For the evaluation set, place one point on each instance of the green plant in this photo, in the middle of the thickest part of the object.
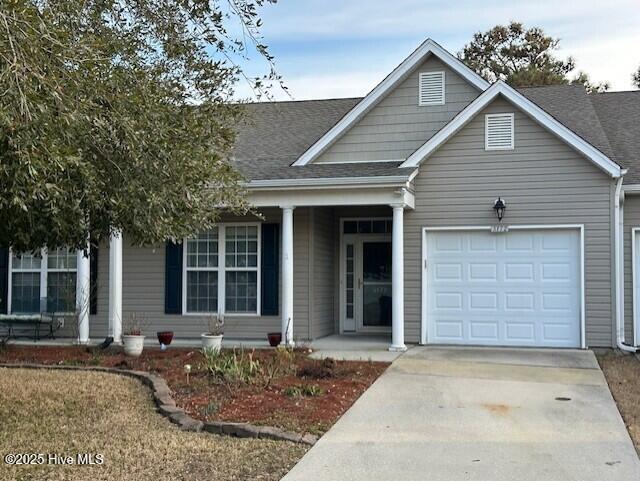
(237, 366)
(281, 364)
(306, 390)
(210, 408)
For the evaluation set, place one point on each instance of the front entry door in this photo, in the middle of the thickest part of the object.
(366, 284)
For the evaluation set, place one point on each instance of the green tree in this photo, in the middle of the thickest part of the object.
(636, 78)
(117, 115)
(521, 57)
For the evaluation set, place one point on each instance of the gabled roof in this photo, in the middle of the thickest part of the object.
(274, 134)
(429, 47)
(538, 114)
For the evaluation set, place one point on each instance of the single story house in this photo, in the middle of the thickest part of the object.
(438, 209)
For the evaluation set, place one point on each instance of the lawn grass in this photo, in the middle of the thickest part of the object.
(623, 376)
(45, 411)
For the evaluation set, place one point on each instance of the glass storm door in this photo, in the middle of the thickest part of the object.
(376, 284)
(366, 284)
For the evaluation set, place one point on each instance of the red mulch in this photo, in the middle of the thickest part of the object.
(209, 401)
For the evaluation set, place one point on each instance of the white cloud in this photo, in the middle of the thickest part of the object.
(353, 44)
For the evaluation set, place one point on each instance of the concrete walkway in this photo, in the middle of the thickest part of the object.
(479, 414)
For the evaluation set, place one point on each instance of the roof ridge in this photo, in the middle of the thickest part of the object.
(272, 102)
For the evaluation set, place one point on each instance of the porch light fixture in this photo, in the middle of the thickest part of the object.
(499, 206)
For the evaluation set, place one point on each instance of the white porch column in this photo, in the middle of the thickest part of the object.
(115, 286)
(397, 280)
(83, 294)
(287, 275)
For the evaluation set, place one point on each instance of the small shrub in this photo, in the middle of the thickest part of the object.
(303, 390)
(210, 408)
(326, 368)
(237, 366)
(72, 362)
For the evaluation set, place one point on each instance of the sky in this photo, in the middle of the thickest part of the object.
(343, 48)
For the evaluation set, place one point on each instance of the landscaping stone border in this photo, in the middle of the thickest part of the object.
(167, 407)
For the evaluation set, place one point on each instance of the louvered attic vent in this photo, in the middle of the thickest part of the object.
(498, 132)
(431, 88)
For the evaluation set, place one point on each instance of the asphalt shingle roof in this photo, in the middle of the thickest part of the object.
(275, 134)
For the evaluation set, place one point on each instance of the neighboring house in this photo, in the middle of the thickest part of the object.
(378, 217)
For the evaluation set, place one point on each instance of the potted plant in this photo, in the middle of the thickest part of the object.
(212, 339)
(132, 337)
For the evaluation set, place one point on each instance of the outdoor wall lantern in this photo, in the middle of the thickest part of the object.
(499, 206)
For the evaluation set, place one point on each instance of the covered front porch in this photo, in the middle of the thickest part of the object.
(349, 245)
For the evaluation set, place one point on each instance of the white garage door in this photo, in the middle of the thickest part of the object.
(518, 288)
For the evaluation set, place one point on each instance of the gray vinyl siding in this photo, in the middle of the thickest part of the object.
(631, 221)
(543, 182)
(324, 263)
(143, 290)
(397, 125)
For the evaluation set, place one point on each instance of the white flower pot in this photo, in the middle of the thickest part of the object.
(211, 342)
(133, 344)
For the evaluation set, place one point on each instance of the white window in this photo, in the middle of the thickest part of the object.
(61, 280)
(431, 88)
(43, 282)
(499, 133)
(222, 271)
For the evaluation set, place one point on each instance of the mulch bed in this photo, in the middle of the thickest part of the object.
(623, 376)
(337, 387)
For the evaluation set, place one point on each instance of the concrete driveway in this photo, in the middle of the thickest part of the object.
(479, 414)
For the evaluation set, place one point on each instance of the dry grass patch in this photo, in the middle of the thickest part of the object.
(623, 376)
(65, 412)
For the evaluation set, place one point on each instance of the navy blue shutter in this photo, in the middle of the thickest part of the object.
(4, 279)
(93, 279)
(173, 278)
(270, 269)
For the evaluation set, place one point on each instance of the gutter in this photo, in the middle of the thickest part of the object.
(619, 268)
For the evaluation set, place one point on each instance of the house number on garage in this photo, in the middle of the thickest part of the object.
(499, 229)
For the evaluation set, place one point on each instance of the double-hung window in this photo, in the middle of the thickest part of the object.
(49, 276)
(61, 280)
(202, 272)
(26, 276)
(222, 270)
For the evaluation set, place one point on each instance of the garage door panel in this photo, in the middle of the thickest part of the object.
(525, 290)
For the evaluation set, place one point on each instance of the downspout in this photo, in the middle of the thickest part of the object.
(619, 286)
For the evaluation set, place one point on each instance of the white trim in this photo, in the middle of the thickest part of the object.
(424, 337)
(329, 182)
(221, 269)
(391, 81)
(635, 272)
(487, 117)
(43, 270)
(431, 73)
(524, 104)
(328, 196)
(356, 238)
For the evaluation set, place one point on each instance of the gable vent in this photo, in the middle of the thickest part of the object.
(498, 132)
(431, 88)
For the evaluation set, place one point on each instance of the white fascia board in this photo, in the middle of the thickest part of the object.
(317, 197)
(390, 81)
(330, 182)
(524, 104)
